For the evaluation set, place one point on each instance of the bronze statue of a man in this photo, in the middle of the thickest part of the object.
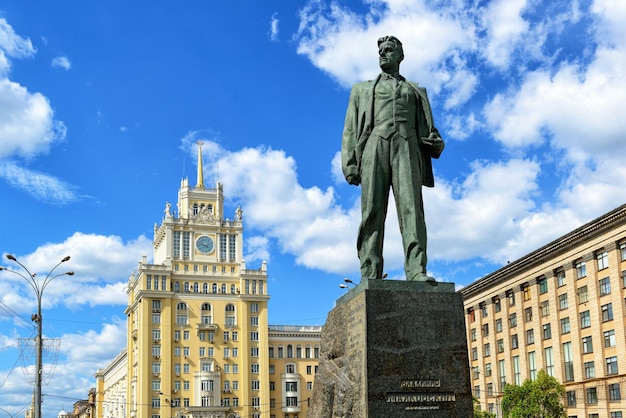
(389, 139)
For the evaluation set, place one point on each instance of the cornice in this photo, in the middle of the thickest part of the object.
(588, 231)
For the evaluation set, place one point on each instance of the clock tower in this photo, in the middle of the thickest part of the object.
(197, 316)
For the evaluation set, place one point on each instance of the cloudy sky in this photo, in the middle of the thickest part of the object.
(101, 104)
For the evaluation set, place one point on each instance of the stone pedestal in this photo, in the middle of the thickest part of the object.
(394, 349)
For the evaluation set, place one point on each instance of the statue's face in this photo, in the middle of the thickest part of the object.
(388, 56)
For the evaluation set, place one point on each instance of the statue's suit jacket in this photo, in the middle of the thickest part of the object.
(358, 127)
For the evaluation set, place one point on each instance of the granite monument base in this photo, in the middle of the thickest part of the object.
(394, 349)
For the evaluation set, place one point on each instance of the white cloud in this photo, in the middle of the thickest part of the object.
(101, 266)
(27, 124)
(274, 27)
(257, 248)
(12, 45)
(337, 40)
(61, 62)
(39, 185)
(505, 27)
(79, 356)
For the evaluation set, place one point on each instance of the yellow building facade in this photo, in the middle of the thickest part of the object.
(560, 308)
(199, 342)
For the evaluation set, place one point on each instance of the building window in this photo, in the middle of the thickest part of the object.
(483, 310)
(514, 342)
(512, 320)
(560, 278)
(581, 269)
(614, 392)
(587, 345)
(607, 312)
(563, 301)
(603, 260)
(526, 291)
(530, 336)
(590, 370)
(488, 369)
(582, 294)
(585, 319)
(517, 373)
(532, 366)
(549, 360)
(502, 372)
(487, 350)
(475, 372)
(592, 396)
(571, 398)
(616, 414)
(545, 308)
(611, 365)
(543, 286)
(568, 362)
(565, 329)
(605, 286)
(609, 338)
(485, 330)
(472, 315)
(500, 345)
(473, 334)
(547, 331)
(499, 325)
(528, 314)
(496, 304)
(511, 297)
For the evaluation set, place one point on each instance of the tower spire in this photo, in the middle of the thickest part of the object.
(200, 181)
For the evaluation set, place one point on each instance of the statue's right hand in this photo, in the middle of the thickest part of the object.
(354, 179)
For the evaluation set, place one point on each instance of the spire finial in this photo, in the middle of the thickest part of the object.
(200, 181)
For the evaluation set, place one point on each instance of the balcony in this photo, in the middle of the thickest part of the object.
(206, 327)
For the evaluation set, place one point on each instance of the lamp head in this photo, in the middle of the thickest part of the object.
(11, 257)
(66, 258)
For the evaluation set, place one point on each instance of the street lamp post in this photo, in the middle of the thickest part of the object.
(38, 287)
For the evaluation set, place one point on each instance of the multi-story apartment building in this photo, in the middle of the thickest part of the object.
(293, 353)
(560, 308)
(199, 342)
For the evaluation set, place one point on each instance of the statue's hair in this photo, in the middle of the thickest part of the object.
(394, 40)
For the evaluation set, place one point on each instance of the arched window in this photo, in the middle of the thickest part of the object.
(205, 316)
(182, 306)
(223, 288)
(205, 288)
(176, 286)
(196, 287)
(289, 351)
(186, 287)
(231, 319)
(298, 351)
(232, 289)
(214, 288)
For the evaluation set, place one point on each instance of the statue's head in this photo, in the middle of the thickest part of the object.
(390, 52)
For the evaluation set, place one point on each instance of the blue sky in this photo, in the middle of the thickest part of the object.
(101, 104)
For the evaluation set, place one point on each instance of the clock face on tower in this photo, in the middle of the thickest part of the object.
(204, 244)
